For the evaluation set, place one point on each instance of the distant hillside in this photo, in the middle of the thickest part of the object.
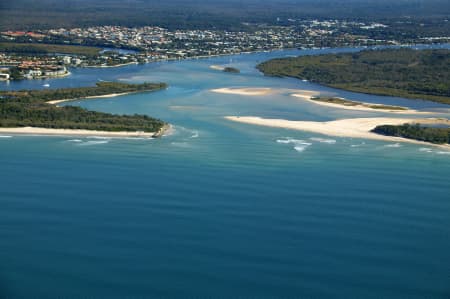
(401, 72)
(31, 14)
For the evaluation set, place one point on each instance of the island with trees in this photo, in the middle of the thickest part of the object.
(415, 74)
(31, 108)
(230, 69)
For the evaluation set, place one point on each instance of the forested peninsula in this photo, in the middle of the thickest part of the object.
(415, 74)
(30, 108)
(437, 135)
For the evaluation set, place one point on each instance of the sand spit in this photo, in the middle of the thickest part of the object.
(306, 95)
(354, 128)
(250, 91)
(111, 95)
(217, 67)
(362, 106)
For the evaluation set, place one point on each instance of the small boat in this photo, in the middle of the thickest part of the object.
(46, 85)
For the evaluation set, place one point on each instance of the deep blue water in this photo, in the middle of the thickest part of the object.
(219, 209)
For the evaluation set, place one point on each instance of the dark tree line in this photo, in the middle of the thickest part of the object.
(29, 108)
(193, 14)
(35, 48)
(403, 72)
(417, 132)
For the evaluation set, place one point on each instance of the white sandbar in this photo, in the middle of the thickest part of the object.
(354, 128)
(244, 91)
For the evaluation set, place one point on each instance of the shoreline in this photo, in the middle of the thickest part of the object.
(217, 67)
(288, 49)
(361, 106)
(82, 132)
(306, 96)
(245, 91)
(86, 132)
(110, 66)
(352, 128)
(111, 95)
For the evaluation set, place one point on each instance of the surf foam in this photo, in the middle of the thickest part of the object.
(299, 145)
(323, 140)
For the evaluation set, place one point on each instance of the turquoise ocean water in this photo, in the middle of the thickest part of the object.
(218, 209)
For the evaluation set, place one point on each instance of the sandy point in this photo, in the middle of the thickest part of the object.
(217, 67)
(249, 91)
(359, 106)
(354, 127)
(112, 95)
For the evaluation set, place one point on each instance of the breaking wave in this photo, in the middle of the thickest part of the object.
(358, 145)
(181, 144)
(430, 150)
(393, 145)
(299, 145)
(323, 140)
(99, 137)
(195, 134)
(92, 142)
(443, 153)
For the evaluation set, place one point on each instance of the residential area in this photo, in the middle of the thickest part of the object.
(117, 45)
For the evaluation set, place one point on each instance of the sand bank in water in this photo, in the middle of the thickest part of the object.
(307, 94)
(217, 67)
(354, 128)
(244, 91)
(362, 106)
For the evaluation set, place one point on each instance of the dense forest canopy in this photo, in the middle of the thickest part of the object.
(423, 74)
(48, 49)
(417, 132)
(29, 108)
(186, 14)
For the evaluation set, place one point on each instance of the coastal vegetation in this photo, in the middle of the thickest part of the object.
(101, 89)
(345, 102)
(36, 48)
(230, 69)
(436, 135)
(402, 72)
(30, 108)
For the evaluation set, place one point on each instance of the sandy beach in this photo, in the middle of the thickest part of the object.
(217, 67)
(306, 96)
(361, 107)
(256, 91)
(76, 132)
(91, 97)
(354, 127)
(73, 132)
